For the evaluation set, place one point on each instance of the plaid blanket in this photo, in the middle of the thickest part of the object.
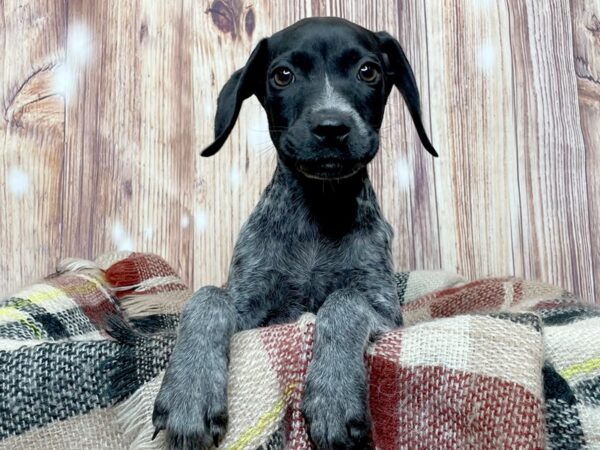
(494, 363)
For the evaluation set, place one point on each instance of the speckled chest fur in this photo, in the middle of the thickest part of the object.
(306, 239)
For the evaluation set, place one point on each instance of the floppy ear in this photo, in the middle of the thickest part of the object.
(401, 73)
(243, 83)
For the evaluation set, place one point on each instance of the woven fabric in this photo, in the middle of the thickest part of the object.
(57, 357)
(494, 363)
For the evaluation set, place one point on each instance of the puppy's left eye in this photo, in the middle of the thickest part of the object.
(369, 73)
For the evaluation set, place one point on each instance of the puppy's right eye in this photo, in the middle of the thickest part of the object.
(282, 76)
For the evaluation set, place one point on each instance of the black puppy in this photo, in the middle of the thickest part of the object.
(315, 242)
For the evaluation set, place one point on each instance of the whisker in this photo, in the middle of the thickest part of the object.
(270, 130)
(265, 148)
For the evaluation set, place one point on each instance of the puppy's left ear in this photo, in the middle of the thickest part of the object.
(399, 70)
(245, 82)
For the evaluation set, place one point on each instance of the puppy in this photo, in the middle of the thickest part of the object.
(316, 241)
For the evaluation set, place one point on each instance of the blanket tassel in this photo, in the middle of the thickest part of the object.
(133, 415)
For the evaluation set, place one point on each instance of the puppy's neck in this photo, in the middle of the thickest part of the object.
(335, 206)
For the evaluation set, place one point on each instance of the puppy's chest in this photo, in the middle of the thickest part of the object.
(309, 271)
(312, 261)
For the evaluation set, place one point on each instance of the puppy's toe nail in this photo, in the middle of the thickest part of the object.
(355, 433)
(357, 429)
(156, 431)
(358, 432)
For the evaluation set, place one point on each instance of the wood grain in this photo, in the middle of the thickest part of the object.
(129, 171)
(31, 139)
(551, 154)
(586, 54)
(403, 172)
(107, 105)
(471, 116)
(229, 183)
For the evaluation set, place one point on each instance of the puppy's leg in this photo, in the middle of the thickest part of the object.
(192, 402)
(335, 398)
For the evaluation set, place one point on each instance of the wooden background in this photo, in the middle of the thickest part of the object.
(106, 105)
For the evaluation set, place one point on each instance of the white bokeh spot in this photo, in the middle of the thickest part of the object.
(17, 181)
(121, 238)
(185, 221)
(79, 52)
(148, 232)
(484, 4)
(235, 177)
(403, 173)
(79, 44)
(63, 80)
(486, 57)
(200, 221)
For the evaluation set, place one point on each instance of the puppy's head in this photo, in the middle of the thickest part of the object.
(324, 83)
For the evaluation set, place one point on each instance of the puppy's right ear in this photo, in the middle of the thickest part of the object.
(247, 81)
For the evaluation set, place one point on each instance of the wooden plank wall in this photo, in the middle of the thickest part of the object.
(106, 105)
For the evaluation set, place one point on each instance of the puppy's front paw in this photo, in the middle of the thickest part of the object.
(336, 410)
(193, 414)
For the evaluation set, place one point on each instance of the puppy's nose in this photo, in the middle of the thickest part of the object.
(329, 126)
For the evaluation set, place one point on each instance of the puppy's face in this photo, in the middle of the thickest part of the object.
(325, 92)
(324, 83)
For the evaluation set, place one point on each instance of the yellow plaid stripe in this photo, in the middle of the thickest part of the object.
(584, 367)
(43, 294)
(14, 315)
(266, 419)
